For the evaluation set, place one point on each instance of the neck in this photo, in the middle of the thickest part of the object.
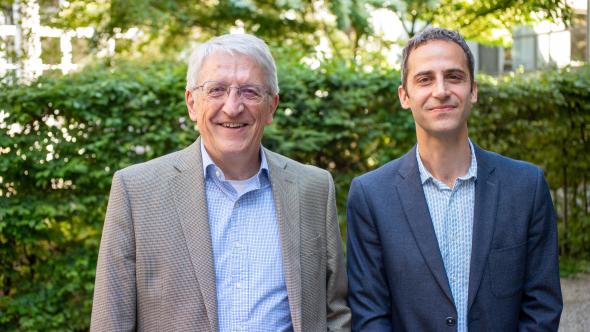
(445, 158)
(238, 167)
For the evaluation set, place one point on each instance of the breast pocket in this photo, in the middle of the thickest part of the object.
(312, 246)
(507, 268)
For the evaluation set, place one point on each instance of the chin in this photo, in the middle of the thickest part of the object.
(238, 148)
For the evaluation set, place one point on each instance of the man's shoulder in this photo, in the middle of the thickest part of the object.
(302, 170)
(507, 165)
(388, 170)
(157, 168)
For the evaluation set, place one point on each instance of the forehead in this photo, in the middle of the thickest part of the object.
(224, 65)
(437, 55)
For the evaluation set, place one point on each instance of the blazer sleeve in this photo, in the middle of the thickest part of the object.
(541, 302)
(338, 312)
(114, 305)
(368, 295)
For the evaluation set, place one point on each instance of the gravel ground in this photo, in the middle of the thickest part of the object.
(576, 304)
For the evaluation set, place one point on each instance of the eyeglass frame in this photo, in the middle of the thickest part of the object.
(238, 88)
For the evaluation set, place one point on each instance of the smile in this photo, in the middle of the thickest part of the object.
(232, 125)
(442, 108)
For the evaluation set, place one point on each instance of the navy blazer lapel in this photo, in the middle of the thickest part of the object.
(188, 188)
(409, 189)
(484, 216)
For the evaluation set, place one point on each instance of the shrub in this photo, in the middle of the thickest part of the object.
(63, 138)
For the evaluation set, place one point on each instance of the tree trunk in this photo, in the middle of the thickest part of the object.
(585, 192)
(564, 244)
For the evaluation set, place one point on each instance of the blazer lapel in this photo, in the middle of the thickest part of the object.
(188, 188)
(285, 193)
(409, 189)
(484, 216)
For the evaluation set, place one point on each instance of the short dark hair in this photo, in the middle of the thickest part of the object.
(430, 34)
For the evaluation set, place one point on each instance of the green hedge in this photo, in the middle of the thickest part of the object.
(544, 118)
(74, 132)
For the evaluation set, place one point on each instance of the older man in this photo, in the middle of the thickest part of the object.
(223, 235)
(450, 237)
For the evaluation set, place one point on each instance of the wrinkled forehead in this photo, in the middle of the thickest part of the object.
(227, 61)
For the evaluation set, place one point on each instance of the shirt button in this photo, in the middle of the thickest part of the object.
(218, 174)
(451, 321)
(239, 285)
(237, 205)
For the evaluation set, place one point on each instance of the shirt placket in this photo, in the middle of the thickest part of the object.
(446, 231)
(239, 268)
(460, 251)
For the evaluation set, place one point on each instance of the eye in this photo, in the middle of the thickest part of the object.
(422, 80)
(250, 92)
(456, 77)
(216, 90)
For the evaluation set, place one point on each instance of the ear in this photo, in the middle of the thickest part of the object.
(272, 109)
(190, 105)
(404, 99)
(474, 92)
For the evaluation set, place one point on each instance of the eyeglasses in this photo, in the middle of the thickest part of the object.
(248, 93)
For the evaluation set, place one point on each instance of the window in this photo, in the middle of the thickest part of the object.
(579, 37)
(51, 50)
(524, 48)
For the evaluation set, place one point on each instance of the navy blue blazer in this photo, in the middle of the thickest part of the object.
(397, 280)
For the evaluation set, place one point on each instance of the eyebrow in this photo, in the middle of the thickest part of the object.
(446, 72)
(455, 71)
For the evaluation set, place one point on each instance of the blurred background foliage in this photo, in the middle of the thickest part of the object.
(169, 25)
(63, 137)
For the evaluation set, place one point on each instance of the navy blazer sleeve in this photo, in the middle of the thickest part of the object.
(368, 293)
(541, 301)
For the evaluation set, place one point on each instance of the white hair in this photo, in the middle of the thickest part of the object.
(244, 44)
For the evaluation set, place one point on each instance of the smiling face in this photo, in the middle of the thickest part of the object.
(231, 129)
(438, 90)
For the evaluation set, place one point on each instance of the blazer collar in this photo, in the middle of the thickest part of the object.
(188, 189)
(417, 214)
(411, 194)
(484, 217)
(286, 196)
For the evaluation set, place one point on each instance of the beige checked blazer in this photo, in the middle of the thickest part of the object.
(155, 265)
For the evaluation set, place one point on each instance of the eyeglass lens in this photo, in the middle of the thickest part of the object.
(220, 91)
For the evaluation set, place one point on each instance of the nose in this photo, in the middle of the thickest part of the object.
(232, 105)
(440, 89)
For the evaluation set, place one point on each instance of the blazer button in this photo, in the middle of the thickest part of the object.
(451, 321)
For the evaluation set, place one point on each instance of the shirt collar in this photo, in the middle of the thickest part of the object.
(471, 172)
(208, 163)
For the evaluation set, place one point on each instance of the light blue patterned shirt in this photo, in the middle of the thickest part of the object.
(451, 210)
(249, 278)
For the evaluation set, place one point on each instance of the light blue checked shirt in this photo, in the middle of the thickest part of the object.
(251, 289)
(451, 210)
